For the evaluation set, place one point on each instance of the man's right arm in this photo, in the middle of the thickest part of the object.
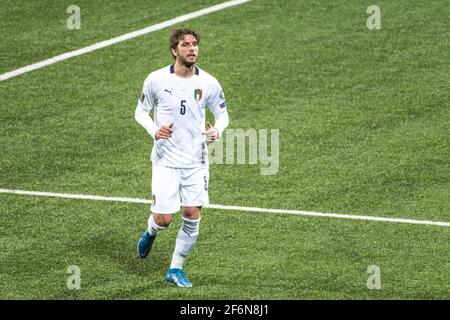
(144, 106)
(142, 114)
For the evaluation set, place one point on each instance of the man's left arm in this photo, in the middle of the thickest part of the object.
(218, 106)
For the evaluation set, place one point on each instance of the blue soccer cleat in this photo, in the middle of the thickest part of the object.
(178, 277)
(145, 244)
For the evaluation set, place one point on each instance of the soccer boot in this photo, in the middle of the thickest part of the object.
(145, 244)
(178, 277)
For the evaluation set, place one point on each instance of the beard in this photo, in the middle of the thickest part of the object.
(187, 63)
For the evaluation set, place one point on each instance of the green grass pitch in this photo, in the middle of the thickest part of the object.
(364, 120)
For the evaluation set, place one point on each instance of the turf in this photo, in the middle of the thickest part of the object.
(38, 30)
(363, 119)
(284, 258)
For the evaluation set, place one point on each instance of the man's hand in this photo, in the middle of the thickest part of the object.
(211, 133)
(164, 132)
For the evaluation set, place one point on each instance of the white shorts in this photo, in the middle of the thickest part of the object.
(168, 184)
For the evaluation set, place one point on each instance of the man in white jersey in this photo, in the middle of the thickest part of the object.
(179, 95)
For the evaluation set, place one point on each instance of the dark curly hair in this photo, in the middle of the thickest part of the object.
(178, 34)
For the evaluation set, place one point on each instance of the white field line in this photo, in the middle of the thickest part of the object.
(121, 38)
(235, 208)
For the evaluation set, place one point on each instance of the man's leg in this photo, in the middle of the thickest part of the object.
(186, 239)
(187, 236)
(194, 194)
(165, 194)
(156, 223)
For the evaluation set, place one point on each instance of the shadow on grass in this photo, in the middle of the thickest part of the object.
(113, 249)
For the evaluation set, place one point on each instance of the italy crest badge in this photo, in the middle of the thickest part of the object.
(198, 94)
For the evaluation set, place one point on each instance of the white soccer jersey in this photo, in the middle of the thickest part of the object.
(181, 101)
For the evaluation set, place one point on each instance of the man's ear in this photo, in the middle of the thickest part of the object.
(174, 52)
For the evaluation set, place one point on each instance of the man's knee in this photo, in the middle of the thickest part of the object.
(192, 212)
(163, 220)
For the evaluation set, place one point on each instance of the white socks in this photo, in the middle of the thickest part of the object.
(186, 238)
(153, 228)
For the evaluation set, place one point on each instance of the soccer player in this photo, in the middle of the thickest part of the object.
(179, 95)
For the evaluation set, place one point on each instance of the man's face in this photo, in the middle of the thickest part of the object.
(187, 50)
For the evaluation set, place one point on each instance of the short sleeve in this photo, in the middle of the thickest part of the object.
(216, 101)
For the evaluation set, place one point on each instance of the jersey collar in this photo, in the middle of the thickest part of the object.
(172, 69)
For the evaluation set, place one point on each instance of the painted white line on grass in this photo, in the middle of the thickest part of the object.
(235, 208)
(121, 38)
(75, 196)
